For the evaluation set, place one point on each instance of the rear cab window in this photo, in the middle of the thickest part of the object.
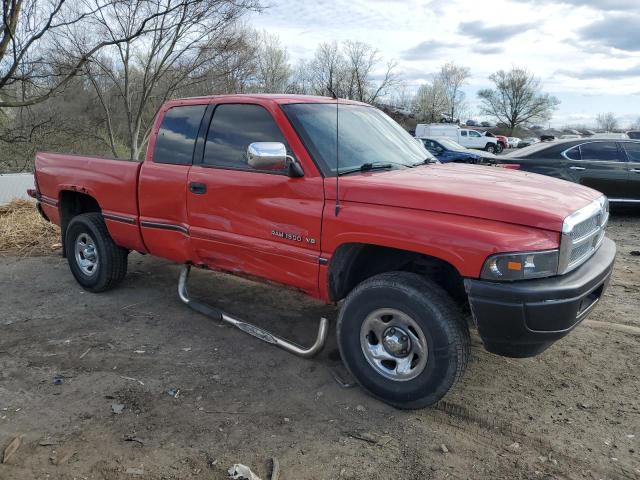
(177, 135)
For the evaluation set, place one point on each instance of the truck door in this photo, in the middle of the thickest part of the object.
(632, 150)
(476, 140)
(262, 223)
(162, 197)
(464, 139)
(600, 165)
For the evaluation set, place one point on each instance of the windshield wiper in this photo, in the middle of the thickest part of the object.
(367, 167)
(426, 161)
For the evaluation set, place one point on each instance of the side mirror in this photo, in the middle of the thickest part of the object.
(272, 156)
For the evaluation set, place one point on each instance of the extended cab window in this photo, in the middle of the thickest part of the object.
(177, 135)
(600, 151)
(233, 128)
(463, 133)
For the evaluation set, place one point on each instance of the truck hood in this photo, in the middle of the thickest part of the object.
(491, 193)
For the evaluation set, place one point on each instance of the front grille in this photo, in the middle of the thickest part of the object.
(586, 227)
(579, 252)
(583, 232)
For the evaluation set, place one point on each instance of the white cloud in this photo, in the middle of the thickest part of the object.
(572, 45)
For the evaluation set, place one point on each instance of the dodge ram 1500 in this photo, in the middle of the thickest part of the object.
(353, 212)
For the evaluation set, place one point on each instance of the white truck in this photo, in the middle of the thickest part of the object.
(464, 136)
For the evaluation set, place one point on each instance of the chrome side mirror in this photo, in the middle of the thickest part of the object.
(272, 156)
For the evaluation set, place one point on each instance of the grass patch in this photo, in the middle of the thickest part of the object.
(23, 232)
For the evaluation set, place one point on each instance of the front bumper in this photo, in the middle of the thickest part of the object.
(522, 319)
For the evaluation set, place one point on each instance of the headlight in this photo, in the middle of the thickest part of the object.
(521, 266)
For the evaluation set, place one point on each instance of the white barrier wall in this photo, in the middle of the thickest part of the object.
(14, 185)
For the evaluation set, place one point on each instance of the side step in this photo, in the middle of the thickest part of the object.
(249, 328)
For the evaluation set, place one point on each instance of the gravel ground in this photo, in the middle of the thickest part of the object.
(68, 359)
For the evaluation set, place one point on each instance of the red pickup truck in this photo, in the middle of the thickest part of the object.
(413, 250)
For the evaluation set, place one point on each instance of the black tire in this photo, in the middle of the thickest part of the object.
(490, 147)
(441, 322)
(499, 148)
(110, 259)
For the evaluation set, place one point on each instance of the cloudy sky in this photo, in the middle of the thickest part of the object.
(587, 52)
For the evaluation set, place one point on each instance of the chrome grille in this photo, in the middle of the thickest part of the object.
(586, 227)
(579, 251)
(582, 234)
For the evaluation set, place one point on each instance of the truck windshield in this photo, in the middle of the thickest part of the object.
(366, 136)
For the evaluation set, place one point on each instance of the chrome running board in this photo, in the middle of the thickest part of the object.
(249, 328)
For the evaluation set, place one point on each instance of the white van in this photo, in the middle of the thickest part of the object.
(464, 136)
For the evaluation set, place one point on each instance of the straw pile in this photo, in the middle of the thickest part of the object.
(24, 232)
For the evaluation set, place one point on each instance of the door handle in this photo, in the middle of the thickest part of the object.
(577, 168)
(197, 188)
(635, 170)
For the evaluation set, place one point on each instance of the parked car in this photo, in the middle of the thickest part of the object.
(471, 123)
(610, 166)
(513, 142)
(547, 138)
(634, 134)
(253, 185)
(503, 142)
(611, 135)
(446, 150)
(569, 136)
(527, 142)
(464, 136)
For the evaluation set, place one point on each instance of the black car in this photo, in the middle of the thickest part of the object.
(610, 166)
(446, 150)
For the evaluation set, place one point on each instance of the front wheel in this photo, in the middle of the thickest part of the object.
(490, 147)
(96, 262)
(403, 339)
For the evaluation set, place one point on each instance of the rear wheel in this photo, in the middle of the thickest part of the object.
(403, 339)
(490, 147)
(96, 262)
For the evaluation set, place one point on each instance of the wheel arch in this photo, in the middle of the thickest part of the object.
(71, 204)
(352, 263)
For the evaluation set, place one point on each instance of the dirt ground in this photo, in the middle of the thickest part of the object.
(67, 356)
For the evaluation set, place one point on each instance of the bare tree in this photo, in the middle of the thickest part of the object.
(273, 71)
(182, 47)
(453, 77)
(347, 71)
(430, 101)
(607, 121)
(327, 69)
(34, 31)
(517, 99)
(361, 59)
(402, 97)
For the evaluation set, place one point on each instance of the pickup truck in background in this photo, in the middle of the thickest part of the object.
(409, 248)
(466, 137)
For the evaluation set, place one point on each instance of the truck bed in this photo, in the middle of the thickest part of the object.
(113, 183)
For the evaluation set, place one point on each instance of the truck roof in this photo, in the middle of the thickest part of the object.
(271, 97)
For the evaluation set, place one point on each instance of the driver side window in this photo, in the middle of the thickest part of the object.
(235, 126)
